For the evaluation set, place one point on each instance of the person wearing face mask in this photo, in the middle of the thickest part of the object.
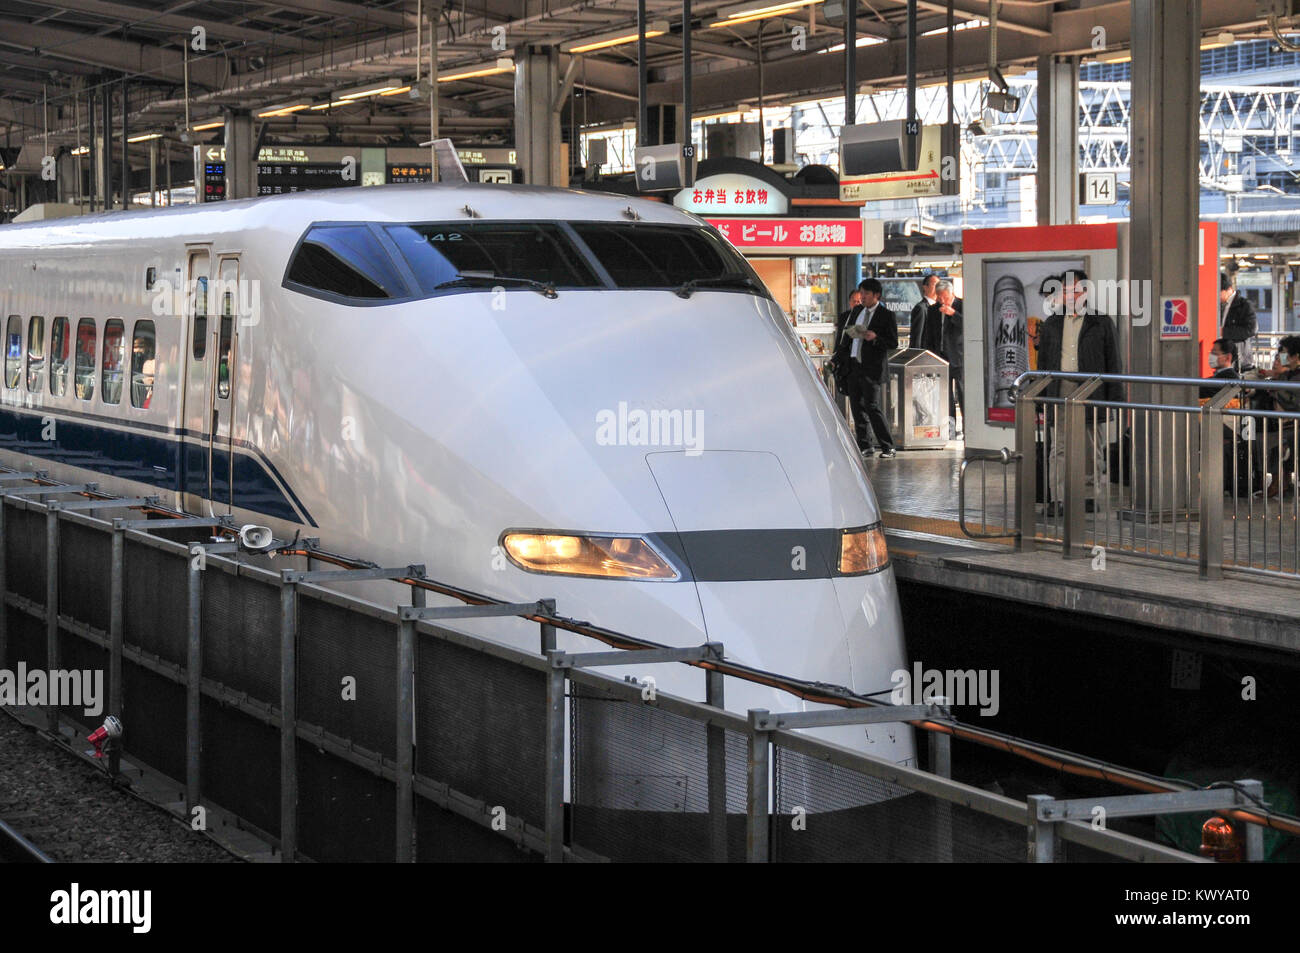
(1223, 365)
(1286, 367)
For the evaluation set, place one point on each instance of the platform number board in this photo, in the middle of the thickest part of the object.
(1097, 188)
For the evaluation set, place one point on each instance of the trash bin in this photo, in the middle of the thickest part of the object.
(917, 399)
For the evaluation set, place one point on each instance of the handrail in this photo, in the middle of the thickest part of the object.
(816, 692)
(1004, 457)
(1149, 379)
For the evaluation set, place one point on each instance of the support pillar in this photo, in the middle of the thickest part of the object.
(1164, 231)
(241, 169)
(1058, 140)
(537, 125)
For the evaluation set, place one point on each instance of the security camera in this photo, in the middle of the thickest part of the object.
(255, 538)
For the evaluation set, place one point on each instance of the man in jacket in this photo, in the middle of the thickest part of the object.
(952, 349)
(926, 330)
(1237, 320)
(1081, 341)
(864, 338)
(1286, 368)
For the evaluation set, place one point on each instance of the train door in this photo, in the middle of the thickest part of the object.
(196, 402)
(220, 435)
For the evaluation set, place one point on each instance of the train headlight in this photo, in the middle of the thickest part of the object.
(863, 550)
(609, 557)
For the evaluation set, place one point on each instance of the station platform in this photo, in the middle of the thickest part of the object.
(918, 494)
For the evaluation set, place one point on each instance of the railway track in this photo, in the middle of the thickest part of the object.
(17, 849)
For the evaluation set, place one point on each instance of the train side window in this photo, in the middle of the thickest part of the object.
(60, 357)
(85, 375)
(345, 260)
(114, 353)
(143, 349)
(13, 351)
(223, 346)
(36, 354)
(200, 293)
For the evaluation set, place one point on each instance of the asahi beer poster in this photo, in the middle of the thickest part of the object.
(1014, 311)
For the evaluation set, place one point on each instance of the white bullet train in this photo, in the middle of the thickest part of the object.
(539, 393)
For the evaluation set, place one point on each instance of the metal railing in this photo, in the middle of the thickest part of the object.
(225, 675)
(1211, 479)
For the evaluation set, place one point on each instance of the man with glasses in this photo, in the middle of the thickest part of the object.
(1278, 444)
(1078, 340)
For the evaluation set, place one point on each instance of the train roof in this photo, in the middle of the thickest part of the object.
(443, 201)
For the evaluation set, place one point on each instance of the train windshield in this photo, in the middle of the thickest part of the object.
(539, 252)
(666, 256)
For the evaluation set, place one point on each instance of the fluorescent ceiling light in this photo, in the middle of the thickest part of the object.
(394, 92)
(1219, 39)
(503, 65)
(762, 8)
(386, 86)
(862, 41)
(283, 110)
(605, 40)
(752, 12)
(209, 125)
(80, 151)
(1116, 56)
(964, 25)
(145, 138)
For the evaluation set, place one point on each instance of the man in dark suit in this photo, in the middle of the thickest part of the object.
(1238, 320)
(926, 330)
(952, 349)
(864, 339)
(1084, 341)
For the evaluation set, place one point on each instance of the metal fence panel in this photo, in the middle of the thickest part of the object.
(241, 765)
(84, 579)
(26, 641)
(641, 783)
(826, 812)
(153, 721)
(241, 634)
(25, 553)
(154, 607)
(334, 644)
(90, 662)
(344, 813)
(445, 837)
(481, 726)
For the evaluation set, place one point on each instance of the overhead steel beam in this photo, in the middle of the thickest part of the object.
(181, 23)
(136, 59)
(351, 11)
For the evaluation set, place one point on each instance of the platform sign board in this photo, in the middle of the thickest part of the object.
(927, 179)
(802, 236)
(1098, 188)
(1176, 318)
(732, 192)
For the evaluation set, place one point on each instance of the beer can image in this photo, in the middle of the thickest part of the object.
(1010, 349)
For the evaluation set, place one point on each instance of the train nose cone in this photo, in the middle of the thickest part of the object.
(768, 589)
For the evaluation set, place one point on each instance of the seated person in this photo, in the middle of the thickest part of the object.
(1279, 435)
(1223, 364)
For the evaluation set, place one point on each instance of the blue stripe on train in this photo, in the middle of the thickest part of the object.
(150, 458)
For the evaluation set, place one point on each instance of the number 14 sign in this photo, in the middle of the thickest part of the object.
(1097, 188)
